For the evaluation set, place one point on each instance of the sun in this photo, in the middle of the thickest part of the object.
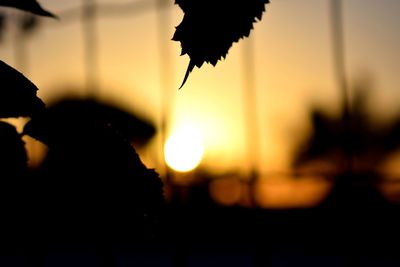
(184, 149)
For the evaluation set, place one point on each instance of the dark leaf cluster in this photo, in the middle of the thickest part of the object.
(91, 187)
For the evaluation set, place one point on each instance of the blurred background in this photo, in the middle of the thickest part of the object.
(250, 128)
(293, 138)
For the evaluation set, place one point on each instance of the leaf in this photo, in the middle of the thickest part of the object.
(27, 5)
(17, 94)
(72, 112)
(210, 27)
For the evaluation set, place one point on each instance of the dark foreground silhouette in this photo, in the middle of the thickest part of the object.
(13, 173)
(91, 192)
(93, 203)
(93, 188)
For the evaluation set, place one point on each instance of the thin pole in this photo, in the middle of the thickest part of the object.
(163, 22)
(20, 52)
(251, 114)
(336, 7)
(109, 10)
(90, 43)
(338, 51)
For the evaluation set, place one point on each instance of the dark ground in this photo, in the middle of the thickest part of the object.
(201, 234)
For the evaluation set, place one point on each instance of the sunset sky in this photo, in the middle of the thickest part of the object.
(293, 71)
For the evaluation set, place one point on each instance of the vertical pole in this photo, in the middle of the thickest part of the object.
(20, 51)
(90, 43)
(179, 256)
(165, 75)
(338, 51)
(251, 114)
(336, 7)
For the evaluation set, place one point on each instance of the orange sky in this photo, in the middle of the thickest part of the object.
(293, 69)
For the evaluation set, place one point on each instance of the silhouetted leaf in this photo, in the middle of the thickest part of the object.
(74, 111)
(27, 5)
(17, 94)
(210, 27)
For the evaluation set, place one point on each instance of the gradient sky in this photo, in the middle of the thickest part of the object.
(293, 71)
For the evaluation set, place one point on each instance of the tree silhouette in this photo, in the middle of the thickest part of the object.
(372, 145)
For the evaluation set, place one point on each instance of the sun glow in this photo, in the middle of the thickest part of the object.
(184, 149)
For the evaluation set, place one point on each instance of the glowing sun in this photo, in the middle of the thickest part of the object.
(184, 149)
